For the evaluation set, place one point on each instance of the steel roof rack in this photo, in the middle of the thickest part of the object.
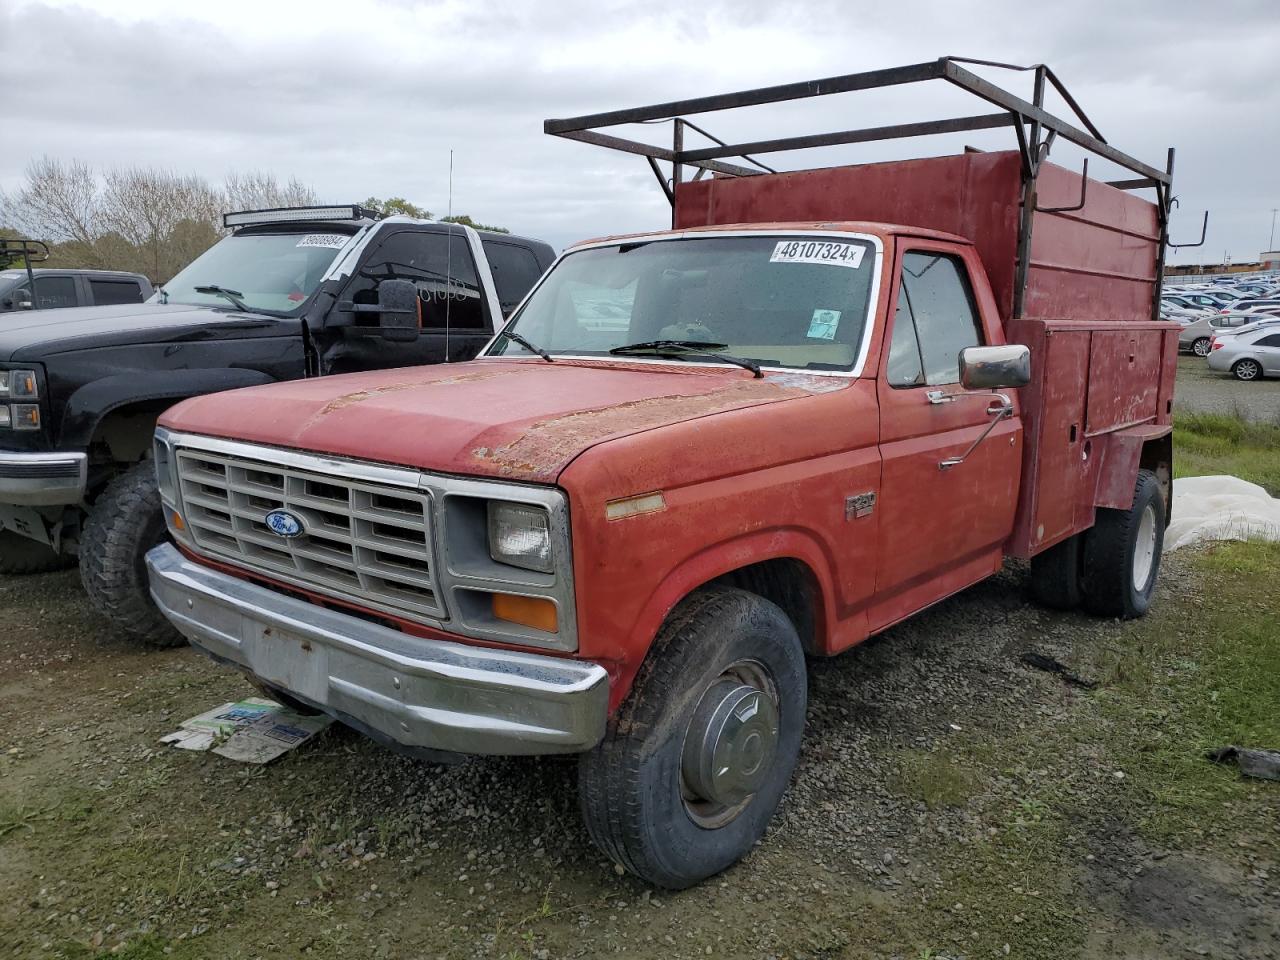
(1034, 127)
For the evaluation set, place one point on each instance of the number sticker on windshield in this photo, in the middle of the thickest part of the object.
(818, 251)
(334, 241)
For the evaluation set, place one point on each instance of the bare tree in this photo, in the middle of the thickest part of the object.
(257, 190)
(59, 203)
(146, 206)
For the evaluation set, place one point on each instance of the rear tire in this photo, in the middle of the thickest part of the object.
(1055, 575)
(126, 521)
(21, 555)
(691, 771)
(1122, 554)
(1201, 347)
(1247, 369)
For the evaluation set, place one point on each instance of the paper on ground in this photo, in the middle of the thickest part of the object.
(1221, 508)
(251, 730)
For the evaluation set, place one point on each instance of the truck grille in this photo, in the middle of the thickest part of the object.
(367, 542)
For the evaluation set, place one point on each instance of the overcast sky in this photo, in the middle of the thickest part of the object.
(368, 98)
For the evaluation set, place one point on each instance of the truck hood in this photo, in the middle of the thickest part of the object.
(514, 419)
(35, 334)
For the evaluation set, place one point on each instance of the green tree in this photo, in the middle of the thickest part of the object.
(393, 206)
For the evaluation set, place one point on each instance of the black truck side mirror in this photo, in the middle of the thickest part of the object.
(398, 310)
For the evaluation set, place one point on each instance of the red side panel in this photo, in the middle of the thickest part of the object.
(1123, 378)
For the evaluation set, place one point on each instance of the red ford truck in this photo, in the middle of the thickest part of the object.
(822, 402)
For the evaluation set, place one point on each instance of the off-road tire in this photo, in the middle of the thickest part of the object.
(1200, 347)
(21, 555)
(126, 521)
(1110, 548)
(630, 784)
(1247, 370)
(1055, 575)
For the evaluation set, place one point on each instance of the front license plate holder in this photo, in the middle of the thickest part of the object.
(289, 661)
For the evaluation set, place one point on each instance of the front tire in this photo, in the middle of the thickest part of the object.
(693, 768)
(1201, 347)
(21, 555)
(1055, 575)
(1122, 554)
(126, 521)
(1247, 369)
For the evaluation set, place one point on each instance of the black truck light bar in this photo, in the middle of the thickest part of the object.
(1034, 127)
(343, 211)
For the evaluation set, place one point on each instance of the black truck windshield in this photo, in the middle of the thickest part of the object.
(781, 301)
(275, 272)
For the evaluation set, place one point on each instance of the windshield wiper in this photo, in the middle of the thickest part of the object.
(679, 349)
(212, 289)
(532, 348)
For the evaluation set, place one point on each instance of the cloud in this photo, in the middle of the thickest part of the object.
(370, 98)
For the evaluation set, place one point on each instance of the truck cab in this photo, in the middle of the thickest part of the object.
(819, 403)
(288, 294)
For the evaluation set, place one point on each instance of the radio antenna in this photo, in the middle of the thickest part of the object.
(448, 262)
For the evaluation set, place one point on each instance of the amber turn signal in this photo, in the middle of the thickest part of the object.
(527, 611)
(176, 521)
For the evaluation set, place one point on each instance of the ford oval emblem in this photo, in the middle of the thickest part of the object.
(283, 524)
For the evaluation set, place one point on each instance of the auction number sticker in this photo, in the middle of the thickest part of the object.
(818, 251)
(334, 241)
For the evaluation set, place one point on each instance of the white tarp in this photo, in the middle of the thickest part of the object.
(1221, 508)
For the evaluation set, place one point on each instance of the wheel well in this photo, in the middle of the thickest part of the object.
(126, 432)
(791, 585)
(1157, 456)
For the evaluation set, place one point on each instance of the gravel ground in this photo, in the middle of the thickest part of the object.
(950, 802)
(1201, 390)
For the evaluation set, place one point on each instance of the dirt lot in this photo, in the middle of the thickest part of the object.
(951, 802)
(1201, 390)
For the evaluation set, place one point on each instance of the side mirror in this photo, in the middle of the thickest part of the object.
(398, 310)
(989, 368)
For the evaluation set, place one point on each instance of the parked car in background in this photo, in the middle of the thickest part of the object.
(290, 294)
(1250, 355)
(70, 288)
(1198, 336)
(1251, 303)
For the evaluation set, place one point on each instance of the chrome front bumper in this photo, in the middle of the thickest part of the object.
(419, 693)
(42, 479)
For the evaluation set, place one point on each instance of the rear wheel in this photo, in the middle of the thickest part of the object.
(690, 773)
(1122, 554)
(22, 555)
(126, 521)
(1247, 369)
(1201, 347)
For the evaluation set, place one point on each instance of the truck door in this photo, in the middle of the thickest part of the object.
(455, 316)
(940, 529)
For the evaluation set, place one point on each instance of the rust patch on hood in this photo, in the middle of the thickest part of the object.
(369, 393)
(547, 445)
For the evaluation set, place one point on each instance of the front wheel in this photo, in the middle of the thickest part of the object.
(127, 520)
(1201, 347)
(690, 774)
(1247, 369)
(1122, 554)
(22, 555)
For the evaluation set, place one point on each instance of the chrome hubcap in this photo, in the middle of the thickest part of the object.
(730, 744)
(1144, 548)
(1201, 348)
(1247, 369)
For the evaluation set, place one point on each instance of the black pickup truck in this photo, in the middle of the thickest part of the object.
(290, 293)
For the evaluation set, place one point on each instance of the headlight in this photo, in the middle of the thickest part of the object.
(18, 383)
(520, 534)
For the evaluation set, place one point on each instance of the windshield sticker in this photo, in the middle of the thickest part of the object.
(818, 251)
(824, 324)
(334, 241)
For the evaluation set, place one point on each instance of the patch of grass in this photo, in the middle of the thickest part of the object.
(1206, 444)
(1208, 681)
(935, 778)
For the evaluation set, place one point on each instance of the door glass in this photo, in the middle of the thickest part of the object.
(440, 266)
(115, 291)
(55, 292)
(906, 368)
(940, 301)
(515, 270)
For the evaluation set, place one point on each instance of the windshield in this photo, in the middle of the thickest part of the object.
(266, 271)
(782, 301)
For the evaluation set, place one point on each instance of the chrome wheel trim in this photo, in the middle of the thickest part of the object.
(1201, 347)
(1247, 370)
(730, 744)
(1144, 548)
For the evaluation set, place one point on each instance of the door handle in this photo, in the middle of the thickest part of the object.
(1001, 407)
